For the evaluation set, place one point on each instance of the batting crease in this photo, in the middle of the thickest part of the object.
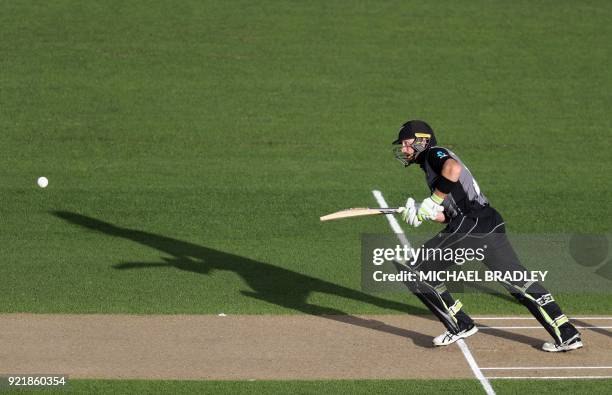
(462, 345)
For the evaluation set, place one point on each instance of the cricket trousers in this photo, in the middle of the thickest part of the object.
(485, 227)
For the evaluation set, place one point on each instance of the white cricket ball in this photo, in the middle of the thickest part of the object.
(42, 182)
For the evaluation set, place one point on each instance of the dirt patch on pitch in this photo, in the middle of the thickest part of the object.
(263, 347)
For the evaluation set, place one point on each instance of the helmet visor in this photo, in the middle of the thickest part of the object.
(401, 156)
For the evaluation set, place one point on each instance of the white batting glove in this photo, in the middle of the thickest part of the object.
(430, 208)
(409, 213)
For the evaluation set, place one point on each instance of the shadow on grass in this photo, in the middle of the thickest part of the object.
(268, 283)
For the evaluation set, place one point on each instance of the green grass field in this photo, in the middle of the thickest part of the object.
(191, 147)
(334, 387)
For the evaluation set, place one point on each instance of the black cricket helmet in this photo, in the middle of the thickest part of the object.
(423, 136)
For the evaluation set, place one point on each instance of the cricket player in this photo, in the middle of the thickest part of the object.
(457, 201)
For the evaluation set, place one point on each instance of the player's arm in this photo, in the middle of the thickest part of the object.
(451, 170)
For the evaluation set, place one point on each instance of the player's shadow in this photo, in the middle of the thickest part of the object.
(269, 283)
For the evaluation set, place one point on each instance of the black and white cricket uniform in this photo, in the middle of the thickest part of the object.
(466, 208)
(472, 223)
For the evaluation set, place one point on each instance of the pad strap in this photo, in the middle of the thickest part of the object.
(545, 299)
(560, 320)
(454, 309)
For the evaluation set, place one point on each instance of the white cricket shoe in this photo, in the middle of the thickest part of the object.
(449, 338)
(573, 343)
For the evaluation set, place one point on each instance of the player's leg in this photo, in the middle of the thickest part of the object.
(543, 307)
(500, 256)
(433, 293)
(439, 301)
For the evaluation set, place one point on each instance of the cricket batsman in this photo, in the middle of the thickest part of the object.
(457, 201)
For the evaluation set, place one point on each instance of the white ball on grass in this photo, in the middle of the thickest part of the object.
(43, 182)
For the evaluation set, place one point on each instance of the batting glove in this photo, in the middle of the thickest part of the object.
(430, 208)
(409, 213)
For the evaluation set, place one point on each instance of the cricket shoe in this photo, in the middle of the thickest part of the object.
(570, 344)
(449, 338)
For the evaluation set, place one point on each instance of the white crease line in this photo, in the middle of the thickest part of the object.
(532, 318)
(464, 348)
(549, 377)
(547, 367)
(539, 327)
(475, 368)
(502, 318)
(590, 318)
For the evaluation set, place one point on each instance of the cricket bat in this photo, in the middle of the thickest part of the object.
(359, 212)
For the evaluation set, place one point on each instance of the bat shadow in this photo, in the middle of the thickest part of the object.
(269, 283)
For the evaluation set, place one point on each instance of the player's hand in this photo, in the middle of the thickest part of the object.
(409, 213)
(430, 208)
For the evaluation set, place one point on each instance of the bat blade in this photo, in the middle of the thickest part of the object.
(359, 212)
